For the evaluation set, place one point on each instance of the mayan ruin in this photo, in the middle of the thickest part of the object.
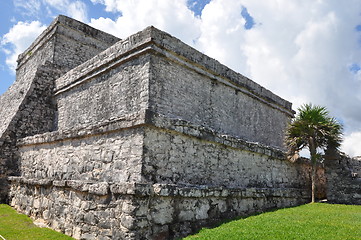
(146, 138)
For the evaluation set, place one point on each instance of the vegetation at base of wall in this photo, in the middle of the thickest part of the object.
(311, 221)
(14, 226)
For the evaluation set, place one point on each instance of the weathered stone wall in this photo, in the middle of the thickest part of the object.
(100, 210)
(35, 115)
(67, 43)
(114, 94)
(173, 157)
(27, 108)
(114, 152)
(113, 157)
(77, 42)
(343, 179)
(14, 97)
(215, 104)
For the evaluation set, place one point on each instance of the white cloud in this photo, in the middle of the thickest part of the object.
(110, 5)
(75, 9)
(294, 46)
(18, 39)
(78, 10)
(223, 32)
(29, 7)
(106, 25)
(351, 144)
(171, 16)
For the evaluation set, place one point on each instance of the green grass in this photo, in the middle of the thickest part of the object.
(311, 221)
(14, 226)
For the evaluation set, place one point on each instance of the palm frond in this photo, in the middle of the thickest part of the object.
(313, 122)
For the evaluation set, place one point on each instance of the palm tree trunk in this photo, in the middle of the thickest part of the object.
(313, 180)
(313, 168)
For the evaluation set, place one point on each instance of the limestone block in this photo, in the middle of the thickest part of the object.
(90, 218)
(128, 221)
(99, 188)
(77, 232)
(162, 211)
(202, 207)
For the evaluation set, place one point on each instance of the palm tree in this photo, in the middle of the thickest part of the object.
(314, 129)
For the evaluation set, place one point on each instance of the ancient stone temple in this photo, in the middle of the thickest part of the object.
(140, 138)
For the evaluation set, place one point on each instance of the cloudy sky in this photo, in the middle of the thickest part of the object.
(305, 51)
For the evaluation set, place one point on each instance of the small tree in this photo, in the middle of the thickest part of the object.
(314, 129)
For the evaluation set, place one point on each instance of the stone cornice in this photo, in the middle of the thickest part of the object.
(162, 190)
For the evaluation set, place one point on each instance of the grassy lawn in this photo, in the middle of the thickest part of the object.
(311, 221)
(14, 226)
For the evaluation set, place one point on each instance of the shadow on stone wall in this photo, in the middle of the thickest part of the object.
(321, 181)
(343, 179)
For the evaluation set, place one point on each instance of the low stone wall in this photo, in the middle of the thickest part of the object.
(99, 210)
(343, 179)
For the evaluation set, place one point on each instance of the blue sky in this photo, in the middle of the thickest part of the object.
(304, 51)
